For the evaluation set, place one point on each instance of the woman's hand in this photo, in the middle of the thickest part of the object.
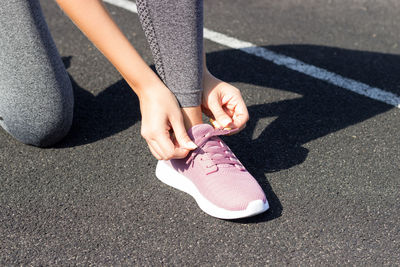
(223, 103)
(162, 123)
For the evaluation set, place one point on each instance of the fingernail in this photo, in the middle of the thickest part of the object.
(191, 145)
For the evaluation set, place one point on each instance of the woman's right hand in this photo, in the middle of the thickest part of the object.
(160, 110)
(162, 123)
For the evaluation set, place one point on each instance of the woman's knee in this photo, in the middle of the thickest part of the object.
(36, 98)
(41, 121)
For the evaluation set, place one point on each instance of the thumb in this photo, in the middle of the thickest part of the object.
(219, 113)
(181, 135)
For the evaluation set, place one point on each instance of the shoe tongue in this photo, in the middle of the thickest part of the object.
(199, 130)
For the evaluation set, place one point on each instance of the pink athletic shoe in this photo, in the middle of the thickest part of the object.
(213, 175)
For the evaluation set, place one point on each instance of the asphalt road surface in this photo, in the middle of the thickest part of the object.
(327, 157)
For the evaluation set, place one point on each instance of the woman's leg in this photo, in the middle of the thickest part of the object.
(36, 98)
(174, 30)
(217, 180)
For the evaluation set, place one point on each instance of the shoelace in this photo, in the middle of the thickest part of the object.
(218, 152)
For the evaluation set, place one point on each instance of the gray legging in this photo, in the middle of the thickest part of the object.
(36, 98)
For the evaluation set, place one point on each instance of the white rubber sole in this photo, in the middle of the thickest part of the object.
(171, 177)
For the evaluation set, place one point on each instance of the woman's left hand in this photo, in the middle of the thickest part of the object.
(223, 103)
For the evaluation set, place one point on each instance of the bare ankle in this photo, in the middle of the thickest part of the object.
(192, 116)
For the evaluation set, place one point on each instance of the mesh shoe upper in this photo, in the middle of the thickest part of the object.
(217, 173)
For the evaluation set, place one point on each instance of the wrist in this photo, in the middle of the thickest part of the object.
(145, 83)
(152, 90)
(210, 81)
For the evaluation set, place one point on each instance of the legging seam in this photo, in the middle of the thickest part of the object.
(146, 18)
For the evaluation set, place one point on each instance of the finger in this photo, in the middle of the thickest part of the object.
(156, 148)
(220, 115)
(215, 124)
(181, 135)
(211, 118)
(180, 153)
(167, 146)
(240, 120)
(230, 111)
(177, 153)
(240, 116)
(238, 131)
(155, 154)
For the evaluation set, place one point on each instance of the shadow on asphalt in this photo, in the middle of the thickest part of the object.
(320, 109)
(115, 109)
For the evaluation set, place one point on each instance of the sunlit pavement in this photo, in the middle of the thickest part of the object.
(327, 157)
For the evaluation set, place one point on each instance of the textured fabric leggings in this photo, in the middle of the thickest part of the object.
(36, 98)
(174, 30)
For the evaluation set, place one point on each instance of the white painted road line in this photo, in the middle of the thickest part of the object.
(307, 69)
(288, 62)
(125, 4)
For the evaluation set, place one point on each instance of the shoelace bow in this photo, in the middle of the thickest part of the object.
(218, 152)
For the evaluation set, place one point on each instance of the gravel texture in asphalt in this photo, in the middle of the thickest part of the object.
(327, 158)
